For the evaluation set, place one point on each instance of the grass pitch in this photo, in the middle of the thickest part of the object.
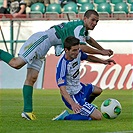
(48, 104)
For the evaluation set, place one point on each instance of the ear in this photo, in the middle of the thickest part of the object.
(65, 49)
(84, 18)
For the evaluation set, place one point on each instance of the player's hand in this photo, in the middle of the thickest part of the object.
(108, 52)
(76, 108)
(109, 61)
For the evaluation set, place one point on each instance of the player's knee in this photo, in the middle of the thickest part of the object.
(16, 63)
(96, 115)
(99, 116)
(34, 78)
(31, 79)
(15, 66)
(99, 91)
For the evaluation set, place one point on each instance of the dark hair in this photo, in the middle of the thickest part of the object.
(89, 12)
(71, 41)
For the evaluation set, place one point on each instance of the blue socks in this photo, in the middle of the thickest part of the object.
(77, 117)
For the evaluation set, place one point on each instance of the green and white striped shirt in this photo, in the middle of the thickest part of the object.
(73, 28)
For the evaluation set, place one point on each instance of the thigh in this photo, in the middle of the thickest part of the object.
(36, 64)
(96, 115)
(87, 109)
(31, 77)
(83, 94)
(17, 62)
(87, 90)
(33, 49)
(77, 98)
(90, 111)
(97, 90)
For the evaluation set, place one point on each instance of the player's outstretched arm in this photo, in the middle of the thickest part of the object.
(89, 50)
(94, 44)
(109, 61)
(98, 60)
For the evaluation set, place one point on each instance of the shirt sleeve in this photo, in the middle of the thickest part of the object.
(83, 35)
(82, 40)
(61, 72)
(84, 56)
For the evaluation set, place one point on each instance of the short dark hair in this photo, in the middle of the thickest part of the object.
(71, 41)
(89, 12)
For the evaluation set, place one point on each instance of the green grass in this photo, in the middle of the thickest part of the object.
(48, 103)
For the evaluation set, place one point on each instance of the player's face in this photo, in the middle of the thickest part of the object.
(91, 22)
(73, 52)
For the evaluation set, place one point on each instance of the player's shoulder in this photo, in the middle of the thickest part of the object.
(76, 22)
(62, 60)
(80, 51)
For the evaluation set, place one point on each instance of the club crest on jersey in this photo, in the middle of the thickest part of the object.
(60, 81)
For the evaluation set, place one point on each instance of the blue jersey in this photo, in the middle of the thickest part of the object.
(67, 73)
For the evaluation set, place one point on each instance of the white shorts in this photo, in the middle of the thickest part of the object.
(36, 47)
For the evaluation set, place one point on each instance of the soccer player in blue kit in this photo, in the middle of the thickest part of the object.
(33, 51)
(76, 95)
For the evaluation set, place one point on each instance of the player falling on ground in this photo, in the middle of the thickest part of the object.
(36, 47)
(76, 95)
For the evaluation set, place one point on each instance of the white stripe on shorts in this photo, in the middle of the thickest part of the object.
(87, 109)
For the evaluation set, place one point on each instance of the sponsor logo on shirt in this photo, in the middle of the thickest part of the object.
(76, 74)
(75, 64)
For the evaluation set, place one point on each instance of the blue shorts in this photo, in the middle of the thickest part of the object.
(81, 96)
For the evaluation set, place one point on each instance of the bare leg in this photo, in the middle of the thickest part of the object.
(96, 115)
(17, 63)
(97, 91)
(31, 78)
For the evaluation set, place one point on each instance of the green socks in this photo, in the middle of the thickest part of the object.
(5, 56)
(27, 95)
